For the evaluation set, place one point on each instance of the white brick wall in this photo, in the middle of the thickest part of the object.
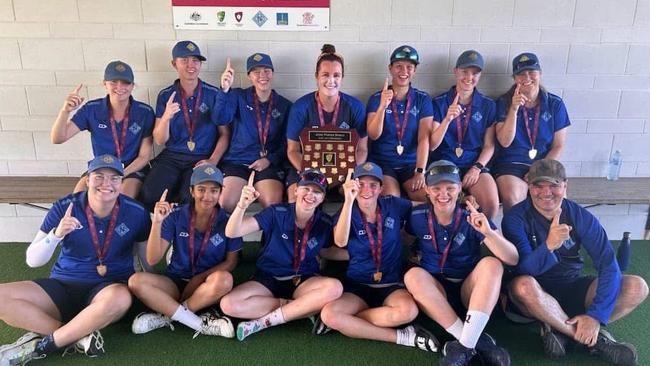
(594, 54)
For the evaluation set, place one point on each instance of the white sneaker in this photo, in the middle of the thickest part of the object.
(215, 325)
(21, 351)
(91, 345)
(146, 322)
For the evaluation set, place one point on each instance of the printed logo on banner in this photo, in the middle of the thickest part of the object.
(282, 18)
(221, 16)
(195, 16)
(307, 18)
(260, 18)
(238, 16)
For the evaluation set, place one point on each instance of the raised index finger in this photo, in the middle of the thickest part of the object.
(68, 211)
(163, 196)
(349, 177)
(456, 99)
(251, 178)
(556, 218)
(77, 89)
(471, 207)
(385, 85)
(517, 88)
(171, 97)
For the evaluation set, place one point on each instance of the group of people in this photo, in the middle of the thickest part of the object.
(229, 147)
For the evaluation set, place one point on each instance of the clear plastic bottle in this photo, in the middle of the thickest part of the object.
(614, 167)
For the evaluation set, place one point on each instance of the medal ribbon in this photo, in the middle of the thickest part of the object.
(190, 123)
(121, 142)
(532, 136)
(400, 126)
(102, 250)
(461, 126)
(321, 115)
(263, 130)
(430, 218)
(300, 247)
(375, 247)
(204, 242)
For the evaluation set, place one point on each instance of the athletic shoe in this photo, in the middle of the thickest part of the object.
(491, 354)
(554, 343)
(319, 327)
(91, 345)
(424, 339)
(146, 322)
(215, 325)
(21, 351)
(455, 354)
(616, 353)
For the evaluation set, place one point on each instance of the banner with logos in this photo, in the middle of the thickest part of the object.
(263, 15)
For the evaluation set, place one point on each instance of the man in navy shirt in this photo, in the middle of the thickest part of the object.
(548, 231)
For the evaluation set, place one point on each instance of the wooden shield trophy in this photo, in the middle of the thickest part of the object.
(330, 150)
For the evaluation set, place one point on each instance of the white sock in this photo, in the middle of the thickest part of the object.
(185, 316)
(253, 326)
(475, 322)
(406, 336)
(456, 329)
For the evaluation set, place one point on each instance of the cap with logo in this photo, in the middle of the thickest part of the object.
(187, 49)
(525, 61)
(548, 170)
(315, 177)
(258, 60)
(405, 53)
(369, 169)
(206, 173)
(118, 70)
(106, 161)
(470, 58)
(442, 171)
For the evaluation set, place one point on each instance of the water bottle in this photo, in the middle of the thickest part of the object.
(614, 167)
(624, 252)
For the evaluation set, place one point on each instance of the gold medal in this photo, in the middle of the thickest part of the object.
(400, 149)
(191, 145)
(101, 269)
(377, 276)
(296, 280)
(459, 151)
(532, 153)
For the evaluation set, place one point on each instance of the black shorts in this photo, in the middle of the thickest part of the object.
(71, 297)
(292, 177)
(570, 293)
(452, 290)
(180, 283)
(373, 296)
(139, 175)
(242, 171)
(282, 289)
(401, 174)
(519, 170)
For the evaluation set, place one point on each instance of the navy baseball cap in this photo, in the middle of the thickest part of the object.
(525, 61)
(106, 161)
(258, 60)
(470, 58)
(118, 70)
(405, 53)
(206, 173)
(187, 49)
(315, 177)
(442, 171)
(369, 169)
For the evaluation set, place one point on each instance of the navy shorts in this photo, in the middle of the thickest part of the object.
(519, 170)
(292, 177)
(242, 171)
(282, 289)
(569, 293)
(373, 296)
(71, 297)
(180, 283)
(401, 174)
(452, 289)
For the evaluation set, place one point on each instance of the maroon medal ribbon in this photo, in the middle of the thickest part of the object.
(434, 241)
(263, 129)
(321, 115)
(204, 243)
(300, 246)
(102, 250)
(375, 247)
(532, 135)
(400, 126)
(120, 143)
(461, 126)
(190, 123)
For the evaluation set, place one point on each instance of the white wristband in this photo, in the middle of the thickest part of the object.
(52, 239)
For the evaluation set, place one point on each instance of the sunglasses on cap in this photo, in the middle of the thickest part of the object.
(444, 169)
(401, 55)
(314, 176)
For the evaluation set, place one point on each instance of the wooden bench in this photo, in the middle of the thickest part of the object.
(31, 190)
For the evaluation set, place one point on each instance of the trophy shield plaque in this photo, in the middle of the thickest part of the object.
(330, 150)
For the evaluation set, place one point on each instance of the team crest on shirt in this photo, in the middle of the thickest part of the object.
(389, 222)
(344, 125)
(459, 239)
(285, 236)
(414, 111)
(312, 243)
(569, 243)
(275, 113)
(101, 125)
(477, 116)
(216, 240)
(135, 128)
(203, 108)
(546, 116)
(122, 229)
(183, 234)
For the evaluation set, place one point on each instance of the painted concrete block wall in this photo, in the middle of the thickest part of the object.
(593, 52)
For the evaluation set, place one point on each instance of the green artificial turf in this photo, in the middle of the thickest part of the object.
(293, 344)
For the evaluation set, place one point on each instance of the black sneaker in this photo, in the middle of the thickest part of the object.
(554, 342)
(491, 354)
(616, 353)
(425, 340)
(455, 354)
(91, 345)
(319, 327)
